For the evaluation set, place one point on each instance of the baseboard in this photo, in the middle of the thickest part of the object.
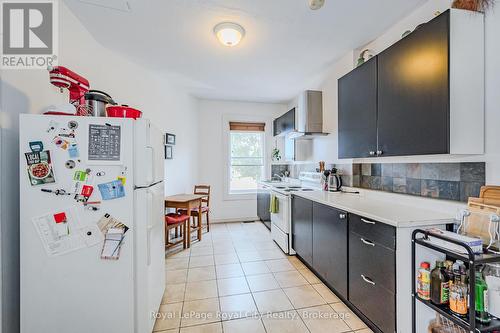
(236, 219)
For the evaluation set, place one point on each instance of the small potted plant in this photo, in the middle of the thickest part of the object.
(276, 154)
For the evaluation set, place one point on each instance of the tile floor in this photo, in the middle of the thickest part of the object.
(236, 280)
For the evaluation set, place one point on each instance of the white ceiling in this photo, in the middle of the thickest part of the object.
(287, 47)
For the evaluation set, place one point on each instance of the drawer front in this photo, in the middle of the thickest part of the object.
(376, 231)
(280, 238)
(373, 260)
(376, 303)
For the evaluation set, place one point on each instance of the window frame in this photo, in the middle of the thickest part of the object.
(226, 142)
(263, 138)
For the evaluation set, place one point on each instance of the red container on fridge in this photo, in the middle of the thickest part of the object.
(123, 111)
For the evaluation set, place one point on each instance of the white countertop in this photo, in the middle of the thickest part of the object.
(386, 211)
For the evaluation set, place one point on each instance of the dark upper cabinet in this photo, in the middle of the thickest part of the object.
(422, 95)
(276, 127)
(285, 123)
(302, 228)
(357, 93)
(330, 246)
(413, 92)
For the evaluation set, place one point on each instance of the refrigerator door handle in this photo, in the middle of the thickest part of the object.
(151, 176)
(149, 226)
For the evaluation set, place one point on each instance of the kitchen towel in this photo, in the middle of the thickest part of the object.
(274, 205)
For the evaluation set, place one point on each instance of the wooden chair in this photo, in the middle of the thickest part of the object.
(205, 209)
(176, 221)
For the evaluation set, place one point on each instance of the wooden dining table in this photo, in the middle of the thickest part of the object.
(186, 202)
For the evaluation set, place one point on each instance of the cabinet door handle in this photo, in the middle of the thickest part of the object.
(342, 215)
(367, 280)
(367, 242)
(367, 221)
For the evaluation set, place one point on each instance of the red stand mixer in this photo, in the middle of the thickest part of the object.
(77, 85)
(87, 102)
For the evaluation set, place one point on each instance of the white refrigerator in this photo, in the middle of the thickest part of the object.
(76, 173)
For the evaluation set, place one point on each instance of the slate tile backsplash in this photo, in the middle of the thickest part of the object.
(450, 181)
(278, 169)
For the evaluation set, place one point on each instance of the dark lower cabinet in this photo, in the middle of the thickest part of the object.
(330, 246)
(302, 228)
(354, 255)
(263, 199)
(375, 302)
(373, 260)
(372, 271)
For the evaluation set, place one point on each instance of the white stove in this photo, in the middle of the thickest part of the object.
(281, 222)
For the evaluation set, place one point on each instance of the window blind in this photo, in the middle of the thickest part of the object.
(249, 127)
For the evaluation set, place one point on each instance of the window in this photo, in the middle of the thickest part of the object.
(246, 156)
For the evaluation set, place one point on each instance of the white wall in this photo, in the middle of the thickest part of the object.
(212, 160)
(29, 91)
(326, 148)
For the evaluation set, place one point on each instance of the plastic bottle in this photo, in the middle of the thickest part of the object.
(424, 281)
(481, 303)
(492, 278)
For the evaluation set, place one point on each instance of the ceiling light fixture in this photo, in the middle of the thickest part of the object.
(228, 33)
(316, 4)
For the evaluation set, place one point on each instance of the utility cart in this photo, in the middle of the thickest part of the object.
(421, 238)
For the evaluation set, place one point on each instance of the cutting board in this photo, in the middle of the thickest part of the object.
(481, 208)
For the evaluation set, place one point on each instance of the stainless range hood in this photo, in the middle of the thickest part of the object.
(308, 116)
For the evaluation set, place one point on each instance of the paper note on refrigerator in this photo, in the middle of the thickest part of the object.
(60, 236)
(112, 243)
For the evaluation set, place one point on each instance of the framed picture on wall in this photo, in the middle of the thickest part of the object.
(169, 139)
(169, 153)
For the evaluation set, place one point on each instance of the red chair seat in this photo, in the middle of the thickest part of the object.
(174, 218)
(204, 209)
